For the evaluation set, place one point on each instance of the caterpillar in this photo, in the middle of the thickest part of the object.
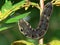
(39, 32)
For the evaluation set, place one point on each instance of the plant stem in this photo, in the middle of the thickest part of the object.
(42, 7)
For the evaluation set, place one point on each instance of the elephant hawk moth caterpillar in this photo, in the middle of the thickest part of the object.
(39, 32)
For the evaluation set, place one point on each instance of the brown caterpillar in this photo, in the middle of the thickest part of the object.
(40, 31)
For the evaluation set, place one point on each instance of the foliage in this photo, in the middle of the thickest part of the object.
(11, 11)
(22, 42)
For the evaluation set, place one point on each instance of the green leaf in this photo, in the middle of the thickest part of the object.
(5, 26)
(10, 9)
(6, 6)
(15, 19)
(55, 42)
(18, 5)
(22, 42)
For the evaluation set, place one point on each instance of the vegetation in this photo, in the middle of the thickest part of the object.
(13, 10)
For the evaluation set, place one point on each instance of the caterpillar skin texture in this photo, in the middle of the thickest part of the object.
(40, 31)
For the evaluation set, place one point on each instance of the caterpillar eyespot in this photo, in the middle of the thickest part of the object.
(40, 31)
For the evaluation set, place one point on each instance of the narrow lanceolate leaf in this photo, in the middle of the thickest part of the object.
(6, 12)
(5, 26)
(15, 19)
